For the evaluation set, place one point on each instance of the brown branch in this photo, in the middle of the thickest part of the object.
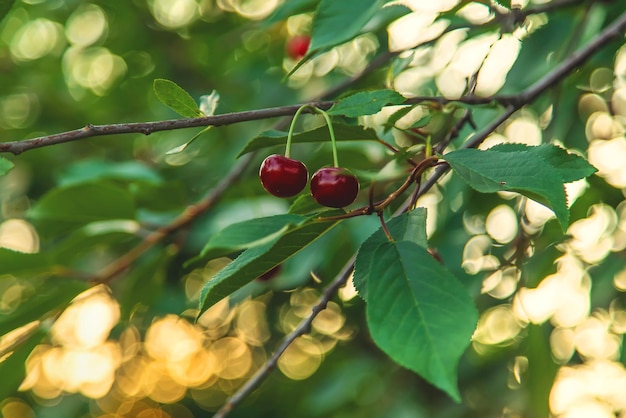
(613, 31)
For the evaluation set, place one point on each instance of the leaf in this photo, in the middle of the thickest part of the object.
(571, 167)
(66, 208)
(410, 226)
(95, 169)
(366, 103)
(336, 22)
(5, 8)
(13, 368)
(290, 8)
(16, 263)
(52, 295)
(343, 132)
(419, 313)
(505, 3)
(176, 98)
(209, 102)
(250, 233)
(516, 171)
(255, 261)
(5, 166)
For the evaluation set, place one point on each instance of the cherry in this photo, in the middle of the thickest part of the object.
(283, 176)
(298, 46)
(334, 187)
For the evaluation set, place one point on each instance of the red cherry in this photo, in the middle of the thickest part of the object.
(282, 176)
(334, 187)
(298, 46)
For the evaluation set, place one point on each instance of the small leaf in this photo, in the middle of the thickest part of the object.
(5, 166)
(66, 208)
(366, 103)
(184, 146)
(419, 313)
(255, 261)
(505, 3)
(52, 295)
(13, 368)
(250, 233)
(343, 132)
(410, 226)
(176, 98)
(336, 22)
(516, 171)
(209, 102)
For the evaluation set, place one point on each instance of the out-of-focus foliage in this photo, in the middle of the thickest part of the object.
(551, 311)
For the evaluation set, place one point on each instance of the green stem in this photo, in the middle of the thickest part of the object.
(331, 131)
(293, 125)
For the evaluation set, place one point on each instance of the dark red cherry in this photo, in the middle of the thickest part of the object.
(334, 187)
(298, 46)
(282, 176)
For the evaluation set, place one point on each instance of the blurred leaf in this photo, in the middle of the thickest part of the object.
(255, 261)
(66, 208)
(5, 8)
(143, 284)
(290, 8)
(410, 226)
(396, 116)
(89, 170)
(181, 148)
(366, 103)
(52, 295)
(250, 233)
(176, 98)
(16, 263)
(5, 166)
(419, 313)
(516, 171)
(209, 102)
(343, 132)
(571, 167)
(336, 22)
(13, 368)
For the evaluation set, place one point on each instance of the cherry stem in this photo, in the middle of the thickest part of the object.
(331, 131)
(293, 125)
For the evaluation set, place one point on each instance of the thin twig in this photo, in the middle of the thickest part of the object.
(613, 31)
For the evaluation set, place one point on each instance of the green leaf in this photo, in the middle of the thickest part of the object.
(250, 233)
(18, 264)
(419, 313)
(5, 8)
(290, 8)
(67, 208)
(410, 226)
(336, 22)
(52, 295)
(516, 171)
(343, 132)
(571, 167)
(255, 261)
(93, 169)
(5, 166)
(366, 103)
(176, 98)
(13, 368)
(505, 3)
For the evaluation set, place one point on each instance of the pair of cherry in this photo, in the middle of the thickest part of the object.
(333, 187)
